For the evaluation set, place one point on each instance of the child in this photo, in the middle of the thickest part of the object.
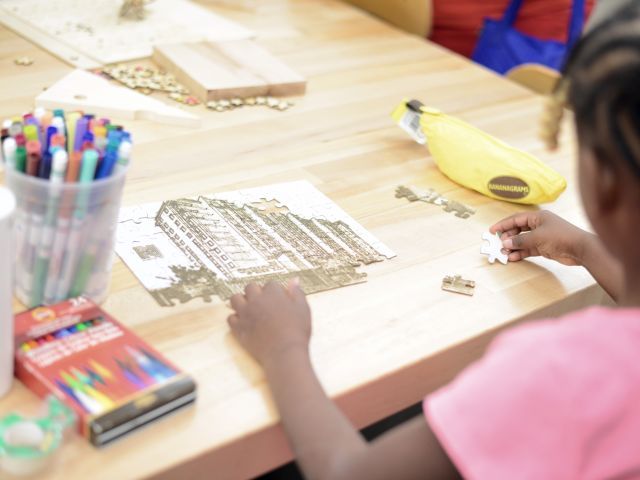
(557, 399)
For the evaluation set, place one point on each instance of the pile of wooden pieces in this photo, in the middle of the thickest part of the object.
(146, 79)
(237, 102)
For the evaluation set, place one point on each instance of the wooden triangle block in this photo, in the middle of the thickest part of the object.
(81, 90)
(239, 68)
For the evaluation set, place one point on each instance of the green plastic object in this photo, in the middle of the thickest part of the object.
(26, 444)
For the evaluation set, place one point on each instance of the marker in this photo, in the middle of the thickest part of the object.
(87, 174)
(81, 128)
(59, 243)
(45, 165)
(33, 157)
(46, 243)
(110, 159)
(4, 131)
(20, 139)
(74, 167)
(21, 159)
(31, 132)
(9, 152)
(58, 122)
(15, 129)
(87, 140)
(124, 154)
(4, 134)
(51, 131)
(45, 121)
(72, 120)
(100, 134)
(38, 116)
(57, 142)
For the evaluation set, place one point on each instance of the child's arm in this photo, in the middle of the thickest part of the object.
(274, 325)
(531, 234)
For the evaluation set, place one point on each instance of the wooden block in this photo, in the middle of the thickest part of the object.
(212, 71)
(80, 90)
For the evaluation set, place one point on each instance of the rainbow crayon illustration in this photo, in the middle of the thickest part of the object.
(155, 370)
(130, 375)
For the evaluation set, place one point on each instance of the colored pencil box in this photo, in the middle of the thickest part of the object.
(113, 380)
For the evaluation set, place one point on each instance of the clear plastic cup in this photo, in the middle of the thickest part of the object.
(64, 237)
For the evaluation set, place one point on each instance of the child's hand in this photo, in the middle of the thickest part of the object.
(271, 320)
(530, 234)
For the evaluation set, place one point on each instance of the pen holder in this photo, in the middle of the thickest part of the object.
(64, 237)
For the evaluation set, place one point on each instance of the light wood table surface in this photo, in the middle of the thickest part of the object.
(377, 347)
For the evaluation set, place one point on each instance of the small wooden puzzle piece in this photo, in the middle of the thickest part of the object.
(460, 210)
(457, 284)
(406, 192)
(492, 247)
(414, 194)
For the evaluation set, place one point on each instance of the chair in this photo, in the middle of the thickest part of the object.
(413, 16)
(539, 78)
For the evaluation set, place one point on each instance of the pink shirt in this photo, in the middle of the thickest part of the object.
(557, 399)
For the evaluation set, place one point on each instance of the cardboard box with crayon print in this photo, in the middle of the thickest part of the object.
(114, 381)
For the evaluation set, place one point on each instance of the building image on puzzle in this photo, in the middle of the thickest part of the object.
(232, 245)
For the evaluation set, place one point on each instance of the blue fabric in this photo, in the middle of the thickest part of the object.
(501, 47)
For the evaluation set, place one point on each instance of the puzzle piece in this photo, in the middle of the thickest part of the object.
(493, 249)
(414, 194)
(457, 284)
(460, 210)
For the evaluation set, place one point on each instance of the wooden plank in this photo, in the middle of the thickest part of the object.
(215, 70)
(80, 90)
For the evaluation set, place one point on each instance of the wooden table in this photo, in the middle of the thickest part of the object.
(378, 346)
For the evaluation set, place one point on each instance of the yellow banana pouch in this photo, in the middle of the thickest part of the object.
(478, 161)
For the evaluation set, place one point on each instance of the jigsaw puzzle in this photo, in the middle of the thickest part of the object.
(492, 247)
(214, 245)
(414, 194)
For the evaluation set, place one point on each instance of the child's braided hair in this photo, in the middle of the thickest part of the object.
(601, 83)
